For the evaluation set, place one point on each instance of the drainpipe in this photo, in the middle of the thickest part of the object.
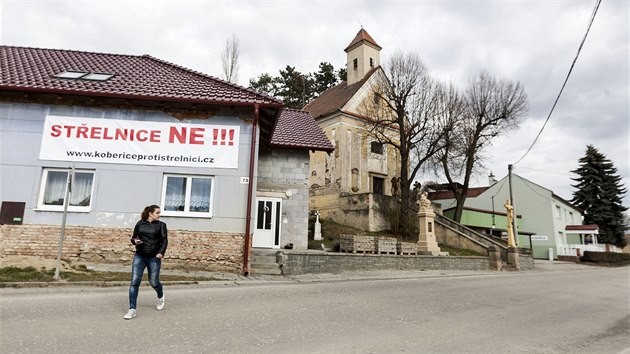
(250, 188)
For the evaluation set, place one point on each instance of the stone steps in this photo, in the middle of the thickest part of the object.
(263, 261)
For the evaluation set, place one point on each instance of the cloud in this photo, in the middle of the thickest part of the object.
(533, 42)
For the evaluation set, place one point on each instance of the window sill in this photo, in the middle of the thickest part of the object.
(182, 214)
(61, 210)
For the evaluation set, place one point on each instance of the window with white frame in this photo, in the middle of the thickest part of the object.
(558, 212)
(53, 189)
(185, 195)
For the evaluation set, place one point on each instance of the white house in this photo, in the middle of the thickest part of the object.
(546, 222)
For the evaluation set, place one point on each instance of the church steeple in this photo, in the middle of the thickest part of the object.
(363, 54)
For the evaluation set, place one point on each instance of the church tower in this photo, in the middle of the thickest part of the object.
(363, 55)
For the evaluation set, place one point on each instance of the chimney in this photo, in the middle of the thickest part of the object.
(491, 179)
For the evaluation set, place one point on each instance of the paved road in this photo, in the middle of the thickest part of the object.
(578, 311)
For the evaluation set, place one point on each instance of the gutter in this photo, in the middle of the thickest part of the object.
(250, 187)
(140, 97)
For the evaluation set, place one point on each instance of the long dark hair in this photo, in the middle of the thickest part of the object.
(148, 210)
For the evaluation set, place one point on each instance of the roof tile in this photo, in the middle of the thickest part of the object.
(297, 129)
(362, 35)
(335, 97)
(448, 194)
(135, 77)
(588, 227)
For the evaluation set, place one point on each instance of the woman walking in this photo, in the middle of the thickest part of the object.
(151, 239)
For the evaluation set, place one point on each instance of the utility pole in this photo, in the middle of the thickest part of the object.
(493, 219)
(514, 229)
(66, 201)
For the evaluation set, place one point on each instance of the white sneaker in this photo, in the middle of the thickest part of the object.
(130, 314)
(160, 305)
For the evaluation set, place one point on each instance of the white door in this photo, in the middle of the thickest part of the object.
(267, 231)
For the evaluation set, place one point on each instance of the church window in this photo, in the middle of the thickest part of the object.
(377, 185)
(355, 63)
(376, 147)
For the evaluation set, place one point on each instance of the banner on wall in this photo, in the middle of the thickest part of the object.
(139, 142)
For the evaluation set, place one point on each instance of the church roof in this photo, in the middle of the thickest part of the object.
(336, 97)
(361, 36)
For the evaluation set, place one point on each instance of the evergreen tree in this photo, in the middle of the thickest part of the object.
(264, 84)
(599, 193)
(325, 78)
(296, 89)
(342, 74)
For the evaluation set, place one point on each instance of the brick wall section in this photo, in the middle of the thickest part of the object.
(187, 249)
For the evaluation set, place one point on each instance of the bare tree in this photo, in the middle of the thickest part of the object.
(407, 113)
(229, 59)
(491, 108)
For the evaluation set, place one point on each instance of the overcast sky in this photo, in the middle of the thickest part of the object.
(533, 42)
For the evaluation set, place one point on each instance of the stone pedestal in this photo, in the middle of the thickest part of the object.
(494, 256)
(426, 236)
(513, 257)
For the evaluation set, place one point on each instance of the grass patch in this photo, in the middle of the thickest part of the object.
(459, 251)
(15, 274)
(81, 273)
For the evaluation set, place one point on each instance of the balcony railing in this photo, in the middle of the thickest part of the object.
(572, 250)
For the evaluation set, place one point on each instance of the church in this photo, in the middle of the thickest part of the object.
(357, 183)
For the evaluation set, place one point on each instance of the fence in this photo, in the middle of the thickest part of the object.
(573, 249)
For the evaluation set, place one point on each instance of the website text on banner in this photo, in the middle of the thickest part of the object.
(139, 143)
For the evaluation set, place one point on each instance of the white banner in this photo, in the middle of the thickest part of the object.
(139, 142)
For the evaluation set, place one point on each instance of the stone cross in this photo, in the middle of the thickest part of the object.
(317, 235)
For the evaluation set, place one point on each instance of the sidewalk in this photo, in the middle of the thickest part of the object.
(223, 278)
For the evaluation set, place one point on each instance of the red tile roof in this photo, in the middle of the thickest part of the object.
(335, 98)
(135, 77)
(361, 36)
(589, 227)
(472, 193)
(518, 216)
(297, 129)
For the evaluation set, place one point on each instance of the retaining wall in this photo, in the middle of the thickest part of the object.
(304, 262)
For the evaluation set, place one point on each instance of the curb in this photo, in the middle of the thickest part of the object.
(98, 284)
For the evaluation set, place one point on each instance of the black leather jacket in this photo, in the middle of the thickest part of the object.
(154, 237)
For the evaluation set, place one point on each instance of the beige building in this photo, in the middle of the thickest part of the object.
(352, 184)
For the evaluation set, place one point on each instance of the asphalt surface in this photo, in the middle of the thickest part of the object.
(557, 308)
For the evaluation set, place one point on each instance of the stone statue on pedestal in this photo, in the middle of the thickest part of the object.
(427, 243)
(510, 221)
(425, 203)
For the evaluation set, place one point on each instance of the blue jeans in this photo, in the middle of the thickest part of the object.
(137, 268)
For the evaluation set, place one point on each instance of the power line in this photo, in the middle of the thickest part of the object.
(500, 187)
(565, 80)
(546, 171)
